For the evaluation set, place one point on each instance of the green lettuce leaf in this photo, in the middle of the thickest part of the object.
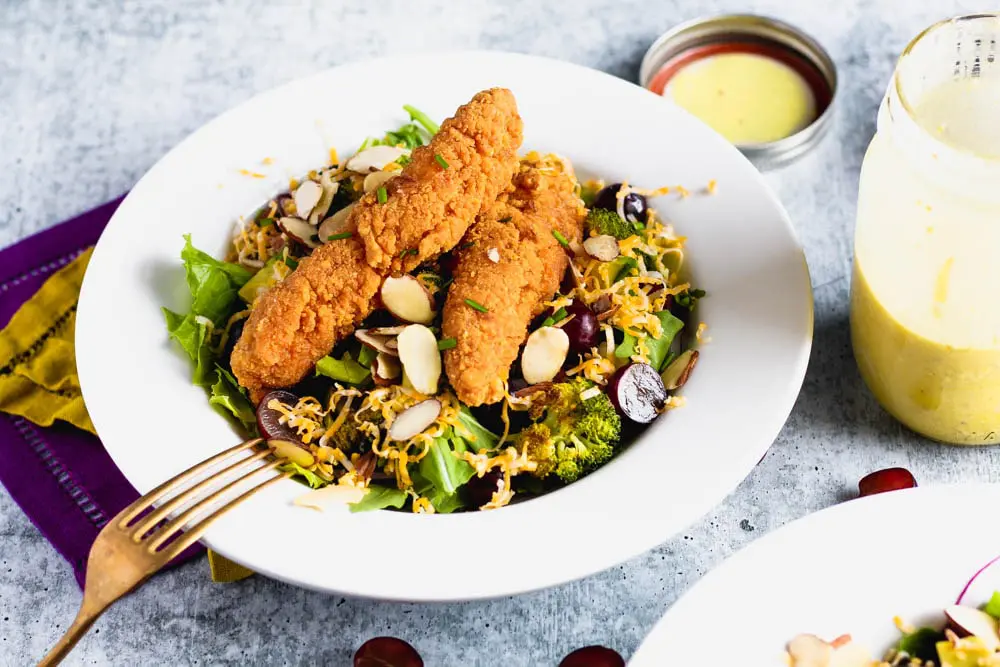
(993, 606)
(312, 479)
(658, 348)
(443, 503)
(442, 469)
(228, 395)
(482, 437)
(214, 284)
(366, 355)
(193, 338)
(921, 644)
(379, 497)
(344, 369)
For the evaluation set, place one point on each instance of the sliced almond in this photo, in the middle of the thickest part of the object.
(385, 369)
(677, 373)
(331, 496)
(365, 466)
(544, 354)
(335, 224)
(286, 205)
(601, 305)
(387, 331)
(421, 359)
(532, 389)
(414, 419)
(299, 230)
(407, 298)
(377, 343)
(376, 179)
(306, 197)
(330, 188)
(375, 158)
(809, 651)
(286, 449)
(971, 621)
(603, 247)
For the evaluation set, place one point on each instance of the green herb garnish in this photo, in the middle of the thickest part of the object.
(265, 222)
(382, 195)
(506, 219)
(291, 262)
(467, 245)
(441, 161)
(477, 306)
(422, 118)
(447, 343)
(408, 251)
(337, 237)
(559, 237)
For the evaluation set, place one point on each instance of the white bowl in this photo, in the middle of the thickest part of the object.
(154, 423)
(849, 569)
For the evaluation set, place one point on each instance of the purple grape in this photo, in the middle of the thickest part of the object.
(268, 420)
(637, 392)
(583, 330)
(480, 490)
(593, 656)
(634, 206)
(387, 652)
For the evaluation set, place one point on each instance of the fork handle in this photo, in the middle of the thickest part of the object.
(84, 619)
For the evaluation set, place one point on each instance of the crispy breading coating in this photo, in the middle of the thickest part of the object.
(530, 267)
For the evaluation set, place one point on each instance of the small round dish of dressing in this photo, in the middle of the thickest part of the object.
(764, 85)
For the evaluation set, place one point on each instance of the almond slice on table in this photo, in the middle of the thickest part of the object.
(407, 299)
(544, 354)
(603, 247)
(414, 419)
(375, 158)
(306, 197)
(299, 230)
(421, 359)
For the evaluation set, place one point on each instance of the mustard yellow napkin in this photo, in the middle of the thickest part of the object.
(38, 379)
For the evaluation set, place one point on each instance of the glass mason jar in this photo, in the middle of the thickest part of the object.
(925, 293)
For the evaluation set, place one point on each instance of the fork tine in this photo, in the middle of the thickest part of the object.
(194, 534)
(176, 524)
(143, 503)
(150, 520)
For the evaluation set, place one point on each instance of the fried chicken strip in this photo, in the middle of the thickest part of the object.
(530, 267)
(429, 208)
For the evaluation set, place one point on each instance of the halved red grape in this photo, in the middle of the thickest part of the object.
(582, 330)
(890, 479)
(593, 656)
(635, 205)
(387, 652)
(479, 490)
(268, 420)
(637, 392)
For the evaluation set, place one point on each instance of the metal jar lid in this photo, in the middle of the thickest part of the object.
(800, 50)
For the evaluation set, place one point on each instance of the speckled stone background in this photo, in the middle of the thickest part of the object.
(92, 93)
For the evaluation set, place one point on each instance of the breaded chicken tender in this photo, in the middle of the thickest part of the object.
(429, 208)
(513, 265)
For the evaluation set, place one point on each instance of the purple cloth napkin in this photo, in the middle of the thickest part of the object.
(60, 476)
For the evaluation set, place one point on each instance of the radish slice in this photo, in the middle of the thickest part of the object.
(421, 359)
(414, 419)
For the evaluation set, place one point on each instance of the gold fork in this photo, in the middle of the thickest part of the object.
(132, 546)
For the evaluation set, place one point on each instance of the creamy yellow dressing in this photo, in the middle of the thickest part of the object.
(925, 298)
(745, 97)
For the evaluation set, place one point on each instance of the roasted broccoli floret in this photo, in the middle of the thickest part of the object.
(571, 436)
(608, 222)
(349, 437)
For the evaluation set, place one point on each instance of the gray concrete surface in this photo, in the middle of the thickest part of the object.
(92, 93)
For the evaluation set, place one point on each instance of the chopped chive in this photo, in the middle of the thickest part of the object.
(441, 161)
(265, 222)
(548, 321)
(422, 118)
(444, 285)
(408, 251)
(559, 315)
(382, 195)
(337, 237)
(559, 237)
(467, 245)
(476, 306)
(507, 219)
(291, 262)
(447, 343)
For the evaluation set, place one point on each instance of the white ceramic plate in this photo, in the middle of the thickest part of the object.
(848, 569)
(742, 249)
